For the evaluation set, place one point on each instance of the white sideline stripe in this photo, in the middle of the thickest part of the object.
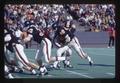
(110, 74)
(73, 72)
(50, 75)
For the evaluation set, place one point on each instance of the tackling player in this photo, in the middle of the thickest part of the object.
(45, 48)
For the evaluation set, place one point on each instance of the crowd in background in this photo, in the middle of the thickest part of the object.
(96, 16)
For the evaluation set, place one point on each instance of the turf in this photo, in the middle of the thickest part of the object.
(103, 67)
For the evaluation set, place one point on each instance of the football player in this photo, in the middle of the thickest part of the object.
(13, 44)
(38, 36)
(74, 42)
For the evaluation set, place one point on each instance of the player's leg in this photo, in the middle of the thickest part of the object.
(8, 57)
(84, 54)
(47, 52)
(59, 56)
(76, 45)
(68, 54)
(47, 49)
(38, 58)
(23, 58)
(10, 61)
(66, 62)
(7, 73)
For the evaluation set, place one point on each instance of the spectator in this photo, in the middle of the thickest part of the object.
(92, 15)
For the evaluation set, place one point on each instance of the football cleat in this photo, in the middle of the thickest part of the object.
(56, 66)
(34, 72)
(43, 71)
(67, 64)
(90, 63)
(10, 76)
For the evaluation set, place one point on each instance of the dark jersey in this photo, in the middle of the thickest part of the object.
(47, 33)
(14, 40)
(60, 38)
(36, 34)
(71, 33)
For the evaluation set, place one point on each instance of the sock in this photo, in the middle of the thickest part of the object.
(55, 63)
(61, 58)
(89, 59)
(67, 62)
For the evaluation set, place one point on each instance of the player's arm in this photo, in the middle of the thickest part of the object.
(28, 38)
(55, 39)
(7, 38)
(55, 42)
(28, 35)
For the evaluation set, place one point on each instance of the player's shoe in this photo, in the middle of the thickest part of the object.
(90, 63)
(34, 72)
(67, 64)
(43, 71)
(56, 66)
(16, 69)
(10, 76)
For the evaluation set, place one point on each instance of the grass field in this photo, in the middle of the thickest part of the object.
(103, 67)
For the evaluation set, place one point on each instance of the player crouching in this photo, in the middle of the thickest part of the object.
(14, 45)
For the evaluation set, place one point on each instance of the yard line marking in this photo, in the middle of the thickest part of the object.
(49, 75)
(110, 74)
(73, 72)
